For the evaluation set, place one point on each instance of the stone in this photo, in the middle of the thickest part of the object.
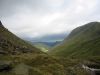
(1, 25)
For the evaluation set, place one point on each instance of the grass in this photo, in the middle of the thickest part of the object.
(42, 64)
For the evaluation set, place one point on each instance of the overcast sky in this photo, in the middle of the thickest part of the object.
(39, 18)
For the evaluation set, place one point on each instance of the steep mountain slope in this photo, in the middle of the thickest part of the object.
(11, 43)
(82, 42)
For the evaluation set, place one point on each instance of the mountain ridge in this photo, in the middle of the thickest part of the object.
(80, 42)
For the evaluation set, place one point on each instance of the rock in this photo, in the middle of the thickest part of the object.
(1, 25)
(3, 52)
(5, 66)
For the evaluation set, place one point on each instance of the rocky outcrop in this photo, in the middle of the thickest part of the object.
(1, 25)
(5, 66)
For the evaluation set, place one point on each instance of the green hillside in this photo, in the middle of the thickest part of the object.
(82, 42)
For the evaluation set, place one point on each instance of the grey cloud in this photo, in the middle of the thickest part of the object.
(41, 18)
(49, 38)
(9, 7)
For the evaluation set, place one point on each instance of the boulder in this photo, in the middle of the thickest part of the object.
(5, 66)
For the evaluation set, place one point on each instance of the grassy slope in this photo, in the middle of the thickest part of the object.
(83, 42)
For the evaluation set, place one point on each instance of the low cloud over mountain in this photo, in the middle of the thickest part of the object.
(39, 18)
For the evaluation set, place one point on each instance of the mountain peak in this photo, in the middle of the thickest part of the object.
(1, 25)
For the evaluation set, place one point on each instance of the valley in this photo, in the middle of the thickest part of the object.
(21, 54)
(70, 57)
(49, 37)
